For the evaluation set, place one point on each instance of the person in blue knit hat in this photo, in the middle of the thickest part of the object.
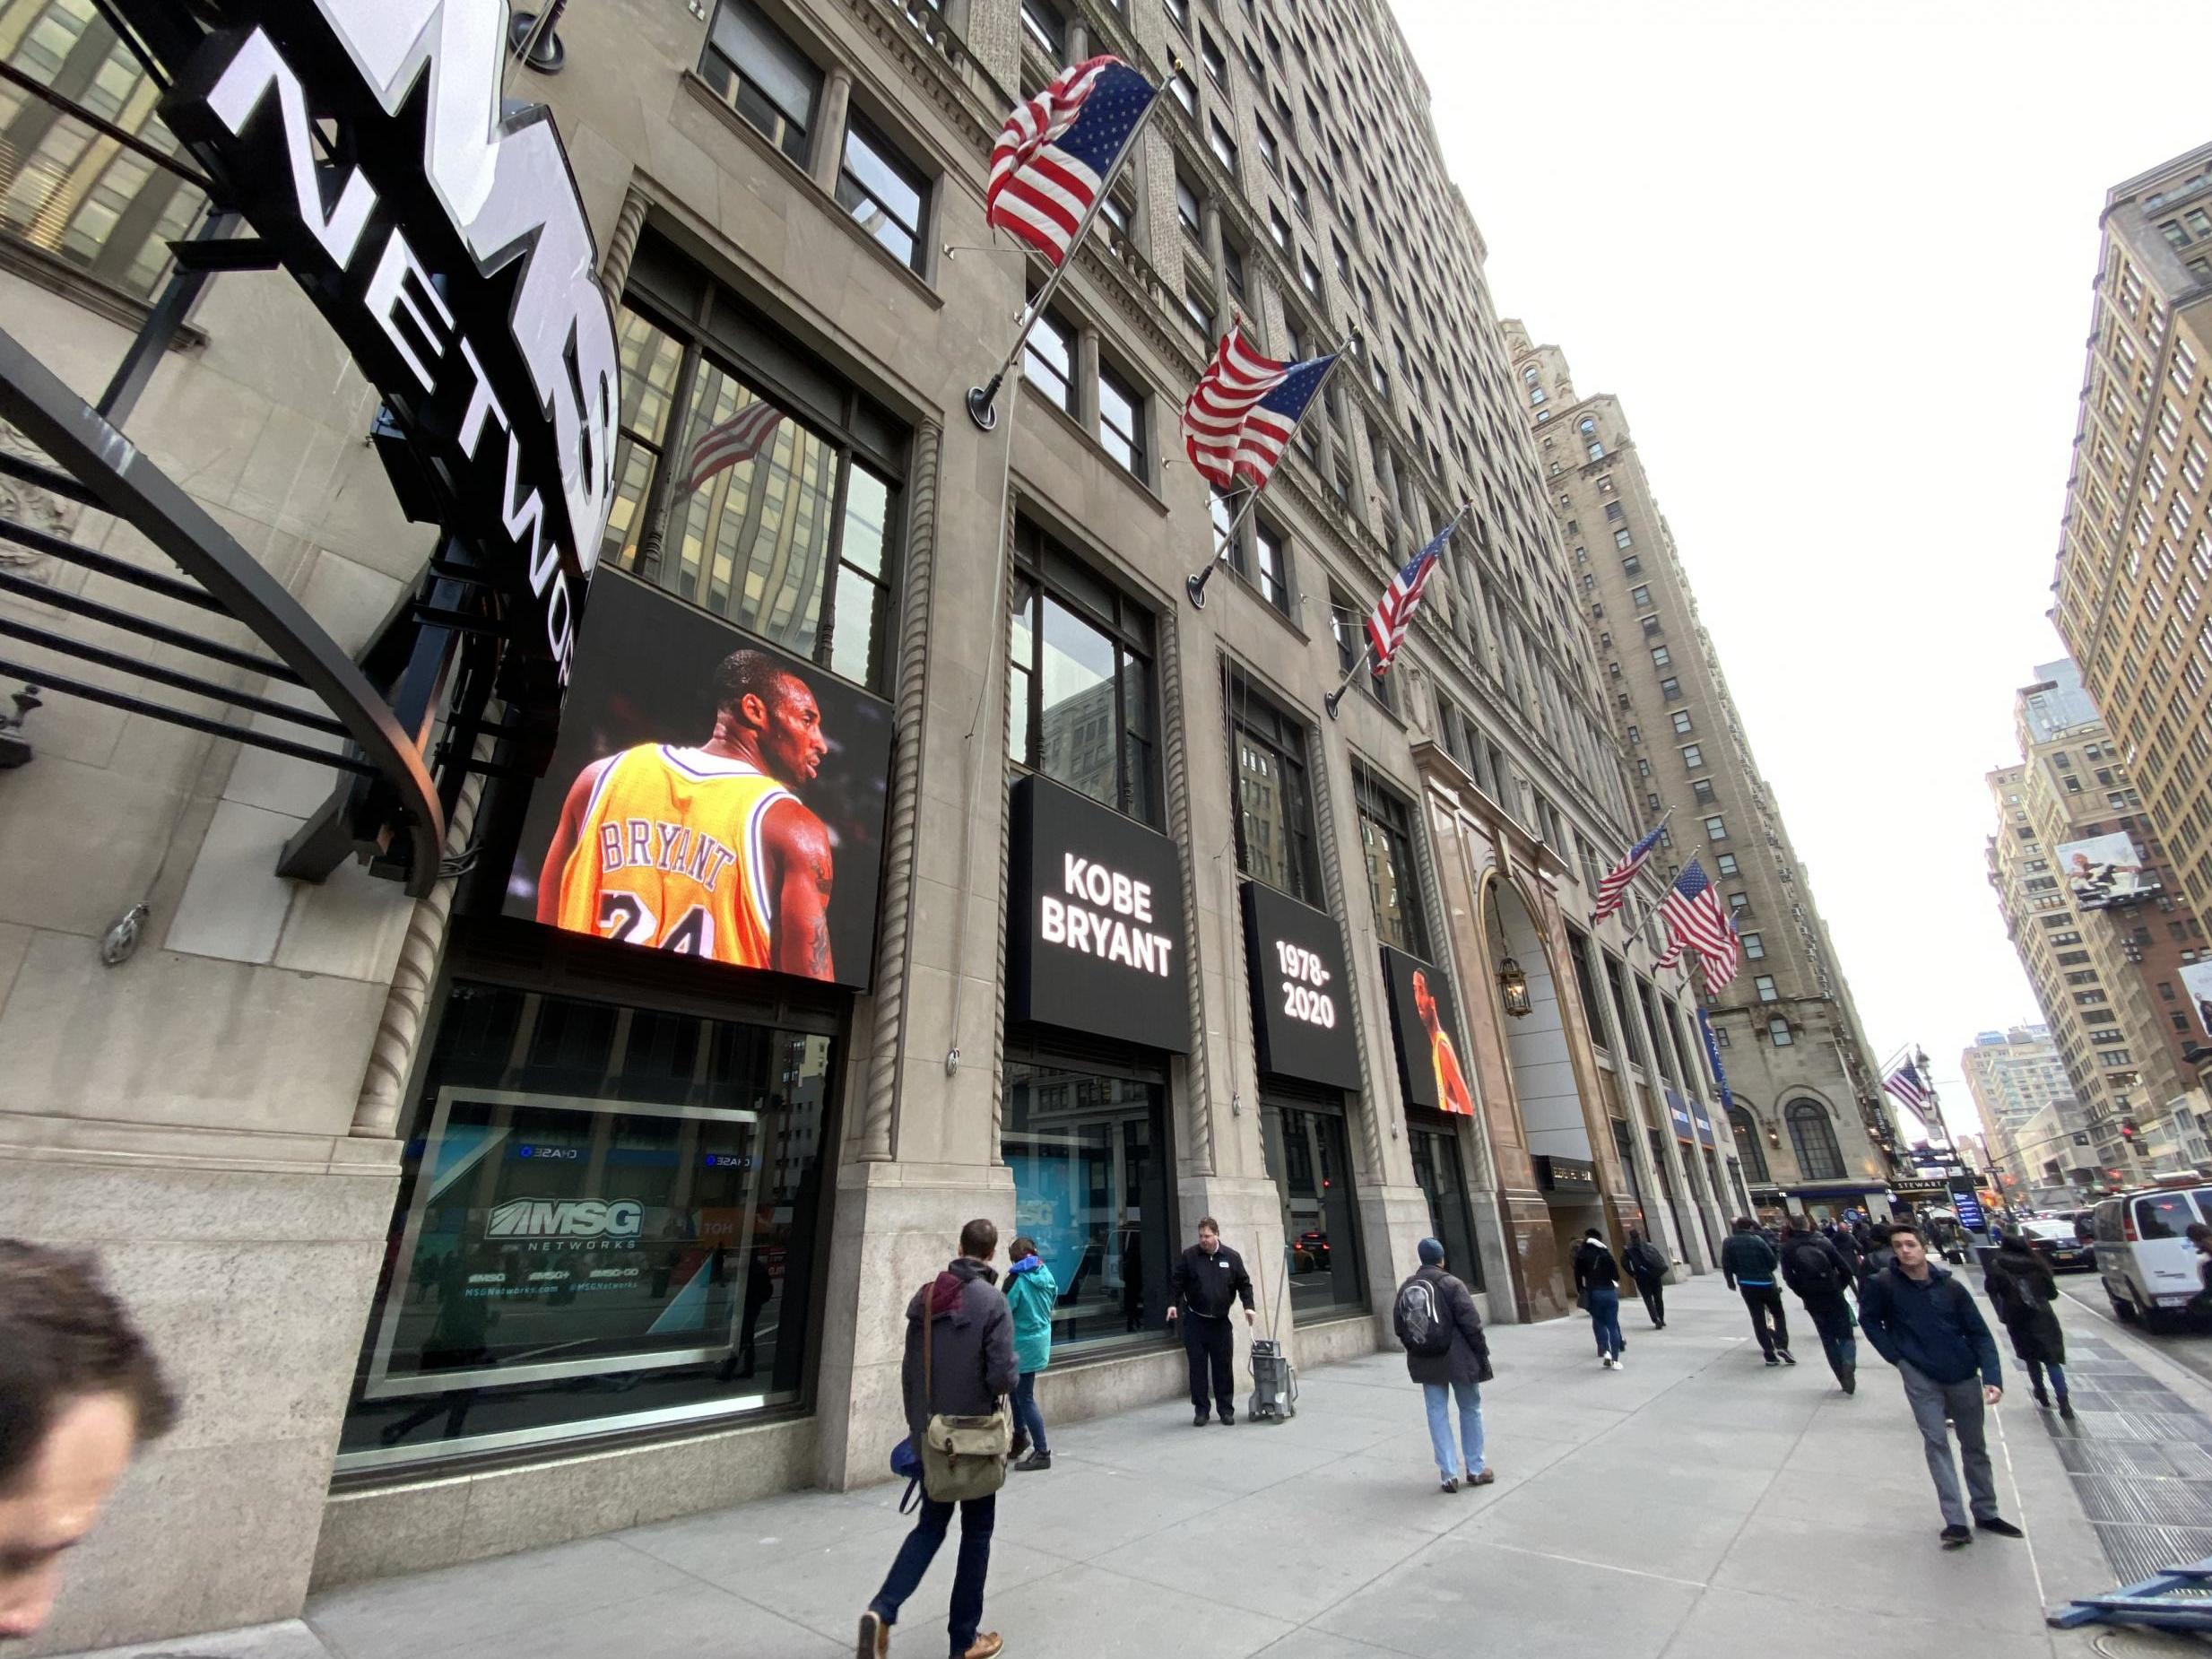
(1448, 1355)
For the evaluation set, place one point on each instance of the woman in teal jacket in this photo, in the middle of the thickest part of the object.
(1031, 1291)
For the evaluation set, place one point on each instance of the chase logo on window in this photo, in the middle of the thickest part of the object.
(566, 1217)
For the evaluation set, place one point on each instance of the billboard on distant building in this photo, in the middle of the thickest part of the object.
(2196, 981)
(2106, 871)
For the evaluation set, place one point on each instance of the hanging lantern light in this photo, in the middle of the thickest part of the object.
(1513, 989)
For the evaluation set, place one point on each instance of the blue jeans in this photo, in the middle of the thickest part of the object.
(1438, 1398)
(1605, 1318)
(1027, 1419)
(2035, 1369)
(977, 1517)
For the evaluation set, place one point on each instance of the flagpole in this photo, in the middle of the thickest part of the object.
(1195, 585)
(981, 399)
(1330, 701)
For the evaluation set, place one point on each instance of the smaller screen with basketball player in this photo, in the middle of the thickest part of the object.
(708, 795)
(1431, 1065)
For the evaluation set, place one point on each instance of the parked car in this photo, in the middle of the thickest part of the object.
(2054, 1241)
(2149, 1269)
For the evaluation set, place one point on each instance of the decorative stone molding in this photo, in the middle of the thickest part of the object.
(622, 245)
(399, 1032)
(1175, 764)
(894, 947)
(1375, 1100)
(33, 508)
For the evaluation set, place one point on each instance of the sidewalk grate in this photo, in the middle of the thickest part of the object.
(2159, 1503)
(2141, 1552)
(2169, 1461)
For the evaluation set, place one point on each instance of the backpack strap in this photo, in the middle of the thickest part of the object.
(929, 1342)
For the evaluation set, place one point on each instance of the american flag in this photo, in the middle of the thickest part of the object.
(1912, 1092)
(1393, 611)
(1057, 152)
(1614, 888)
(723, 445)
(1239, 417)
(1694, 915)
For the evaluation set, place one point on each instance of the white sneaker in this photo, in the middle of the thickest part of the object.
(1621, 1362)
(1606, 1360)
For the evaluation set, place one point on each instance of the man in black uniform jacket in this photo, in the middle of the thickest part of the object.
(1210, 1280)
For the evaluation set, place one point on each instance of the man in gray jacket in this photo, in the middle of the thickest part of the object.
(1448, 1355)
(971, 1364)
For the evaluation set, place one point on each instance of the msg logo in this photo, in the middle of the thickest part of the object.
(566, 1217)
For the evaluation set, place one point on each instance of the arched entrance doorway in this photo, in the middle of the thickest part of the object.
(1542, 1070)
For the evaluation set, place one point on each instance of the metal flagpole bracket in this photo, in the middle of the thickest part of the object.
(983, 402)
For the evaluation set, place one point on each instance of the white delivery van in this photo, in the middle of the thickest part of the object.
(2149, 1268)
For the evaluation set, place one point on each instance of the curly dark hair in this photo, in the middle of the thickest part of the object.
(68, 1337)
(749, 673)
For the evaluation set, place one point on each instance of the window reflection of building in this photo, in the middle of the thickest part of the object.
(1274, 818)
(68, 189)
(1076, 744)
(1089, 1157)
(1309, 1161)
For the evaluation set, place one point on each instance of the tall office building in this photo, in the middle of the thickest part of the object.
(2013, 1075)
(579, 1174)
(2103, 940)
(2135, 554)
(1807, 1092)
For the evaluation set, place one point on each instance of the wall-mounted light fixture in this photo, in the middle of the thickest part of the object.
(1512, 987)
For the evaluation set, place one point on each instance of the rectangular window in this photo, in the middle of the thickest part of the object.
(1223, 146)
(1041, 20)
(1048, 361)
(1693, 756)
(776, 523)
(1671, 689)
(1347, 627)
(1641, 595)
(1120, 421)
(1386, 841)
(1703, 789)
(1778, 1032)
(703, 1141)
(1274, 802)
(888, 197)
(1081, 692)
(1753, 947)
(1716, 829)
(1632, 566)
(1190, 209)
(1216, 66)
(1661, 657)
(759, 73)
(1093, 1181)
(1622, 538)
(1682, 726)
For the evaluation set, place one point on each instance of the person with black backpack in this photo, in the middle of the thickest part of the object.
(1448, 1355)
(1813, 1267)
(1647, 1264)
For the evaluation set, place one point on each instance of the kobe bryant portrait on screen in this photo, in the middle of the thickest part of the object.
(707, 851)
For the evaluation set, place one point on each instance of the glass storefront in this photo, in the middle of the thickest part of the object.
(1089, 1152)
(607, 1218)
(1310, 1162)
(1439, 1172)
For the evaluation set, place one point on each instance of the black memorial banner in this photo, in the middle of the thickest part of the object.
(1094, 918)
(1301, 990)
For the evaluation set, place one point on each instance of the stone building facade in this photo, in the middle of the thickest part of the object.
(464, 1233)
(1809, 1105)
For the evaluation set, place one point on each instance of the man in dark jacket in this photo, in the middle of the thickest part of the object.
(1458, 1372)
(1648, 1265)
(971, 1367)
(1748, 1264)
(1922, 1321)
(1813, 1267)
(1210, 1280)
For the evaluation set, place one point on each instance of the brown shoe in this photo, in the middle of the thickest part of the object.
(1489, 1477)
(986, 1645)
(875, 1636)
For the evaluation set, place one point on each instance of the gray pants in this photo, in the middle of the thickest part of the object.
(1931, 1403)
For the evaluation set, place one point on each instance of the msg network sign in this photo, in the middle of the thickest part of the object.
(443, 237)
(524, 1219)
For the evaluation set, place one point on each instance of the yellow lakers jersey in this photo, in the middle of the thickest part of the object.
(669, 854)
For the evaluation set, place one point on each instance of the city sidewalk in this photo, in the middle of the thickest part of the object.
(1695, 1503)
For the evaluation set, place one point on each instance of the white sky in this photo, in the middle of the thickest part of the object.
(1835, 257)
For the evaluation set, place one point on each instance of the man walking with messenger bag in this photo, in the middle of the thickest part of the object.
(959, 1369)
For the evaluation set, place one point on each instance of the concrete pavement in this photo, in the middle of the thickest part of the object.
(1695, 1503)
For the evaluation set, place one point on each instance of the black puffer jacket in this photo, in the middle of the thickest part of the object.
(1470, 1358)
(1594, 1266)
(2022, 1291)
